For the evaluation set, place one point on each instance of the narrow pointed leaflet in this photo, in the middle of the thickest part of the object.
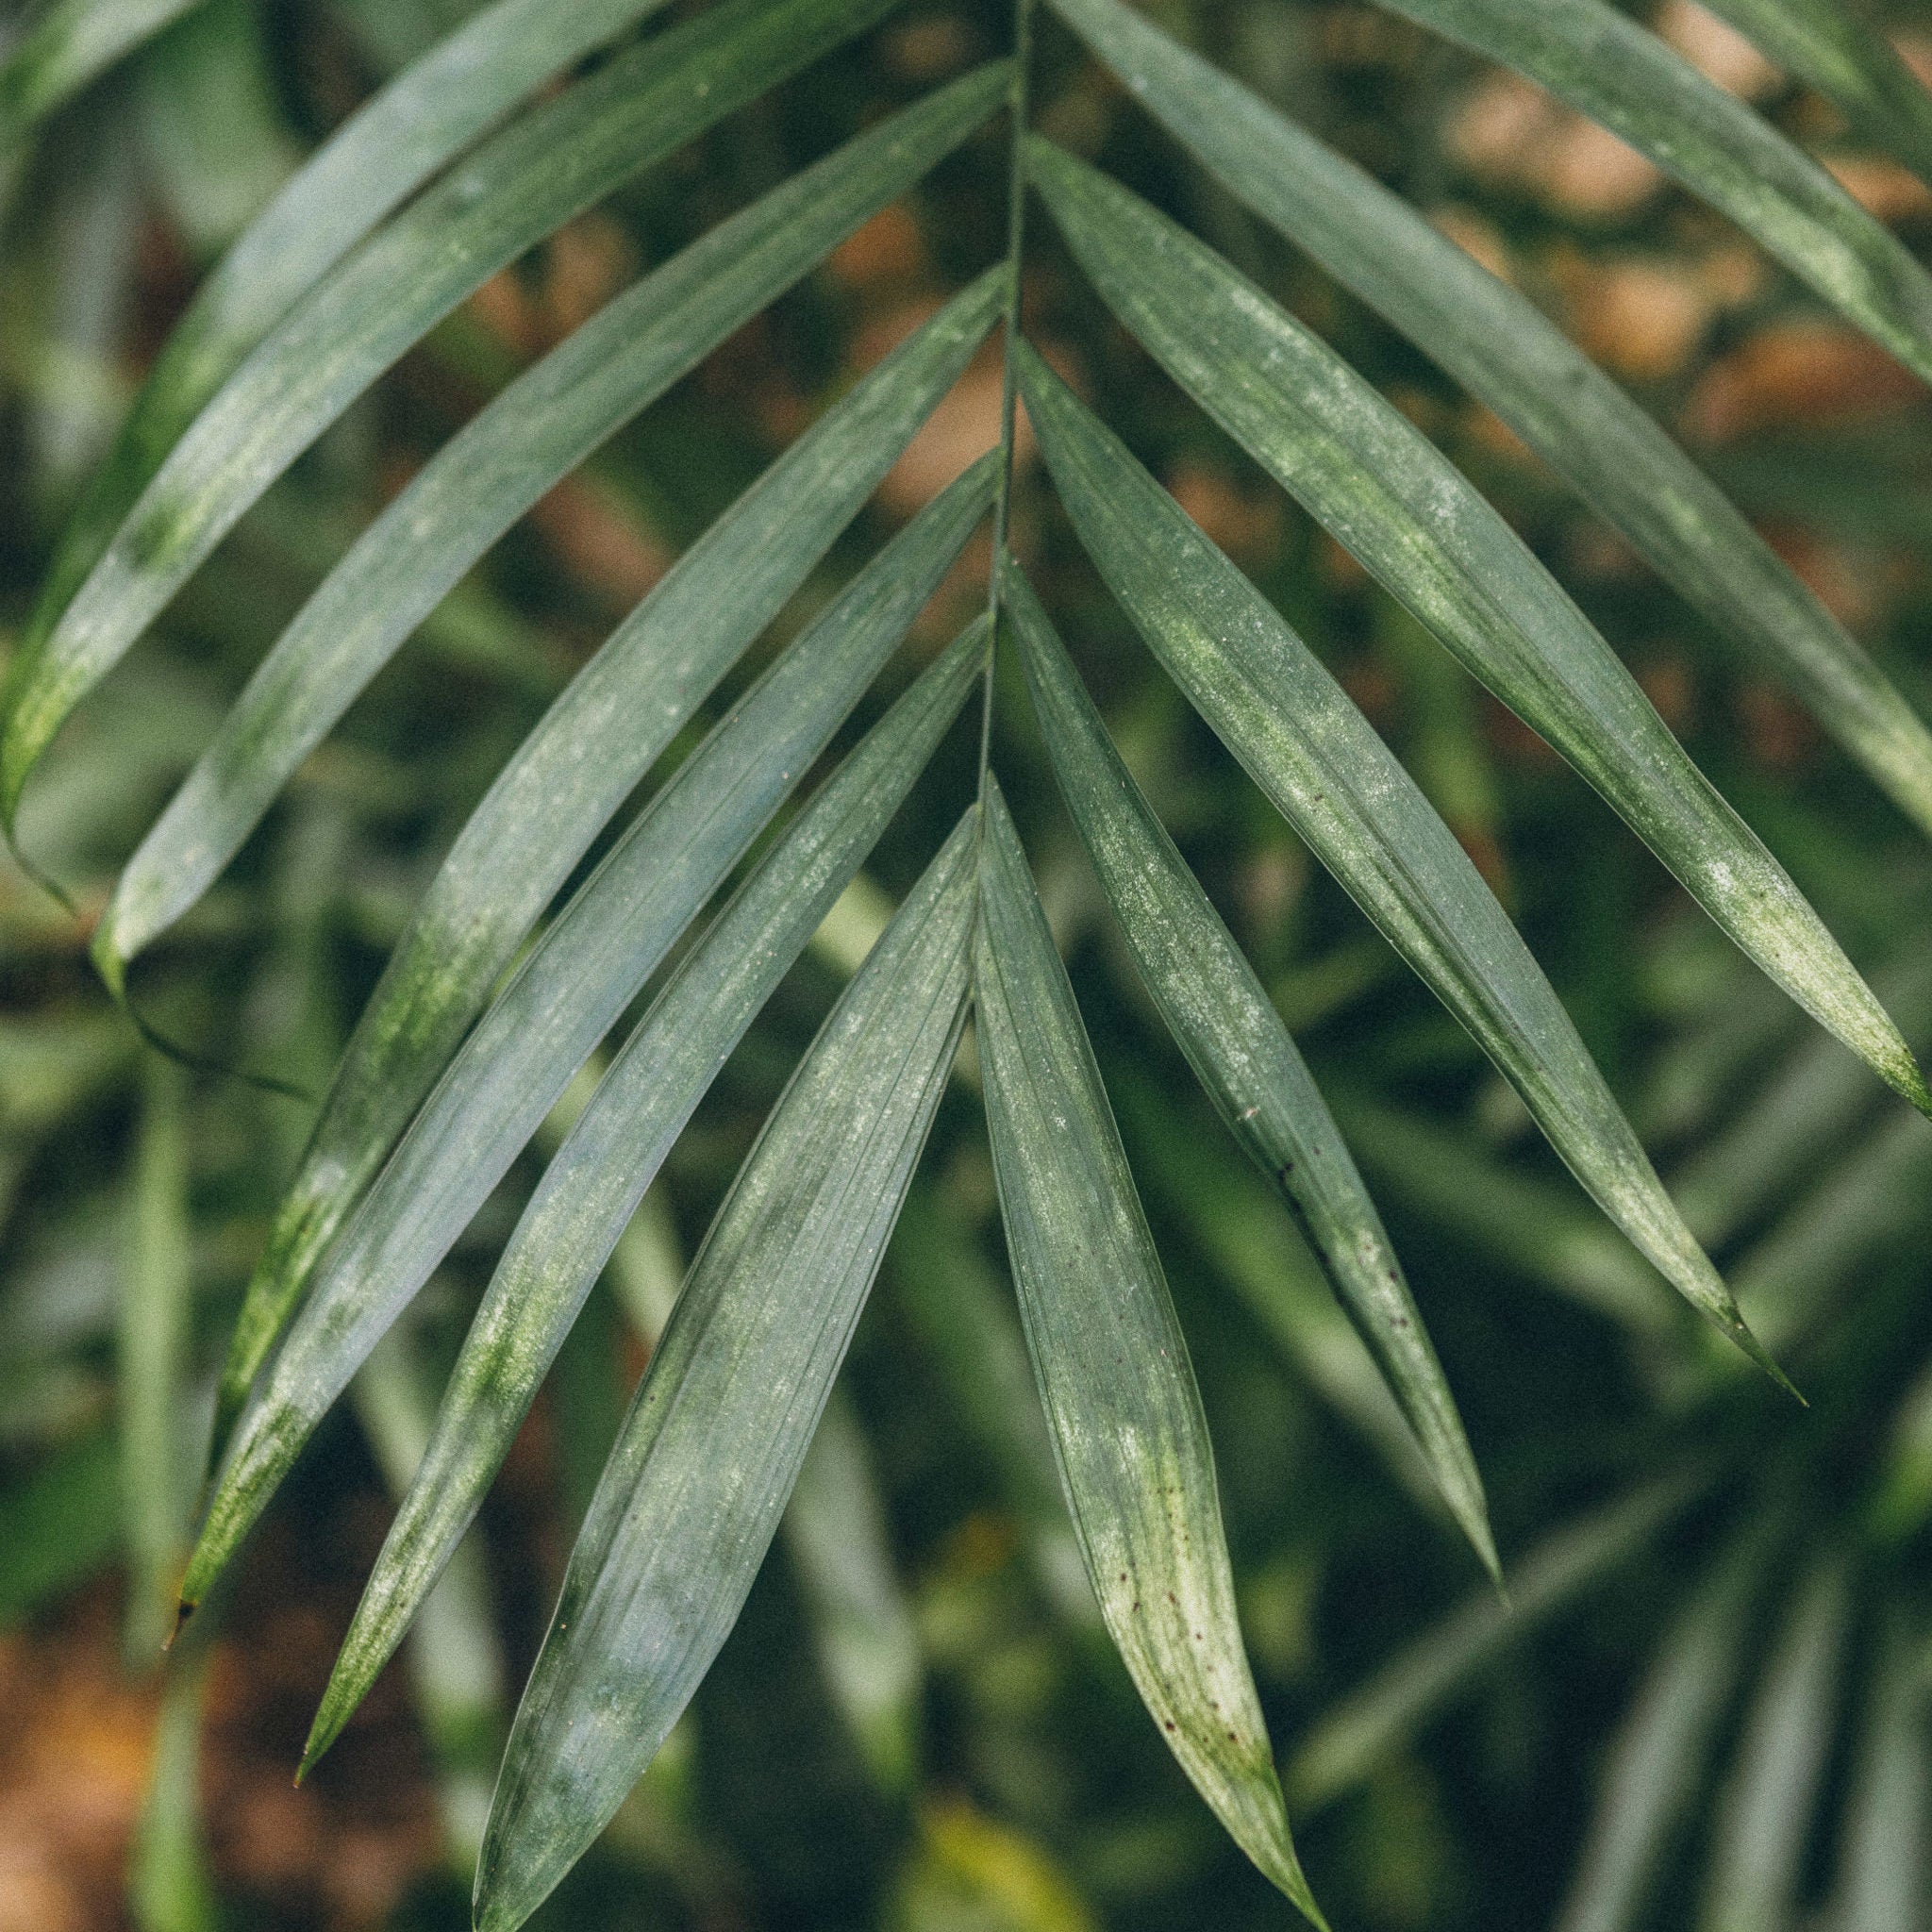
(71, 43)
(593, 1185)
(1233, 1038)
(1393, 501)
(1623, 77)
(1507, 353)
(569, 993)
(1831, 47)
(1120, 1403)
(693, 1491)
(1314, 755)
(368, 167)
(489, 474)
(573, 771)
(538, 172)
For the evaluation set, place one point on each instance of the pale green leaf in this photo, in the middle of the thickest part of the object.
(1251, 1069)
(1885, 1874)
(555, 795)
(1390, 498)
(1508, 354)
(598, 1175)
(566, 995)
(1314, 753)
(489, 474)
(711, 1447)
(385, 296)
(1123, 1411)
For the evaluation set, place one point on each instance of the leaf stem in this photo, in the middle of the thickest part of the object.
(1016, 234)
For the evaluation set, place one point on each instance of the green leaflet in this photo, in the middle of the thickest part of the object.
(155, 1319)
(1606, 66)
(1885, 1862)
(1762, 1824)
(380, 156)
(1657, 1766)
(1504, 351)
(1832, 48)
(572, 773)
(1392, 500)
(575, 982)
(538, 172)
(595, 1182)
(693, 1493)
(1132, 1447)
(1234, 1040)
(489, 474)
(1288, 721)
(1407, 1691)
(69, 44)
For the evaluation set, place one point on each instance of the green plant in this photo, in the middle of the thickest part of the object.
(454, 1066)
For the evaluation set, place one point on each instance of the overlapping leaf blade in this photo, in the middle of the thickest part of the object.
(1830, 47)
(1250, 1067)
(66, 48)
(1121, 1406)
(1390, 498)
(489, 474)
(567, 994)
(339, 337)
(1288, 721)
(693, 1491)
(597, 1178)
(571, 775)
(394, 142)
(1657, 1763)
(1623, 77)
(1507, 353)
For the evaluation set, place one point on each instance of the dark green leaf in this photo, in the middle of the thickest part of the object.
(73, 42)
(1234, 1040)
(708, 1454)
(571, 775)
(379, 157)
(1112, 1366)
(593, 1186)
(1623, 77)
(1507, 353)
(487, 476)
(1314, 753)
(538, 172)
(567, 993)
(1394, 502)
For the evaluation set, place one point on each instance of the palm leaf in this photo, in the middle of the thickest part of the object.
(1216, 1010)
(394, 142)
(1126, 1417)
(71, 42)
(1502, 348)
(1831, 49)
(571, 775)
(541, 427)
(597, 1178)
(385, 296)
(568, 993)
(666, 1556)
(1282, 715)
(1626, 79)
(1417, 525)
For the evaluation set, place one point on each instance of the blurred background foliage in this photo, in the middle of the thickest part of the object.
(1706, 1702)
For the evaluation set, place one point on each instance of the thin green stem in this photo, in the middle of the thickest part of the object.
(1016, 235)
